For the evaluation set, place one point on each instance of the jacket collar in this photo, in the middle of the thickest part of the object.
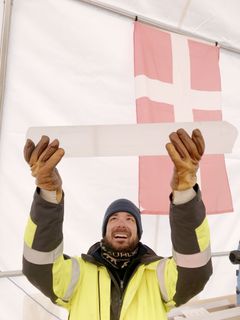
(145, 255)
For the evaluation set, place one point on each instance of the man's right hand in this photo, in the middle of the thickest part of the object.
(42, 160)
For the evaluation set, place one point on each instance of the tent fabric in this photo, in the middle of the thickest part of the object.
(72, 64)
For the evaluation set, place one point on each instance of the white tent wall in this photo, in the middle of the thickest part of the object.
(70, 63)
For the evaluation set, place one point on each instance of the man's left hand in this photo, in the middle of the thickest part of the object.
(185, 152)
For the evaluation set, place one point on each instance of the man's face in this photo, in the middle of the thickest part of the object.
(121, 232)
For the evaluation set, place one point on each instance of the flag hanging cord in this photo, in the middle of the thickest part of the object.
(158, 24)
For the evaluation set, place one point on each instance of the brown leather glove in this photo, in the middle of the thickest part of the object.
(185, 152)
(42, 160)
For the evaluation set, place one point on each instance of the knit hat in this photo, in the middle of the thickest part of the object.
(123, 205)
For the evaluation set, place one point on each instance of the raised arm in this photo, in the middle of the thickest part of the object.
(186, 273)
(43, 261)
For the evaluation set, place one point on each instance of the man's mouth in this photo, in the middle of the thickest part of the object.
(120, 236)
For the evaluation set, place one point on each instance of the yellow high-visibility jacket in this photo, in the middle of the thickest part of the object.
(86, 286)
(142, 299)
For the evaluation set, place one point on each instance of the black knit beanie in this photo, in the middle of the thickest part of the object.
(123, 205)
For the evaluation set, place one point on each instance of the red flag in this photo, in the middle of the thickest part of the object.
(177, 79)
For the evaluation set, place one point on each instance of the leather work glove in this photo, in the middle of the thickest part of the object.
(185, 152)
(42, 160)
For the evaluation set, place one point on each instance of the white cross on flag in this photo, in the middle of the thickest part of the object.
(177, 80)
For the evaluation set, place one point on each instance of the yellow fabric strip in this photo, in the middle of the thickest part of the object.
(30, 232)
(203, 235)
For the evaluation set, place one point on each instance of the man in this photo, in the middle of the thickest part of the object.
(119, 278)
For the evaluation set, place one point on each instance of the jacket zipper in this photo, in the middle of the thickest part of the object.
(121, 285)
(120, 288)
(122, 293)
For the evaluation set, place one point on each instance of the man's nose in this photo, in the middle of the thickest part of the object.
(121, 223)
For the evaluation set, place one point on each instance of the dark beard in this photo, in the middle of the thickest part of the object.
(119, 259)
(129, 249)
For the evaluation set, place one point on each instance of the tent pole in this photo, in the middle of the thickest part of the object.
(7, 274)
(158, 24)
(220, 254)
(6, 21)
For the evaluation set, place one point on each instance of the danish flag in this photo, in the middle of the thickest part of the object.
(177, 79)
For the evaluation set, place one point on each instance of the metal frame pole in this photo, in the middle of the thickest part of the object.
(7, 274)
(158, 24)
(6, 22)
